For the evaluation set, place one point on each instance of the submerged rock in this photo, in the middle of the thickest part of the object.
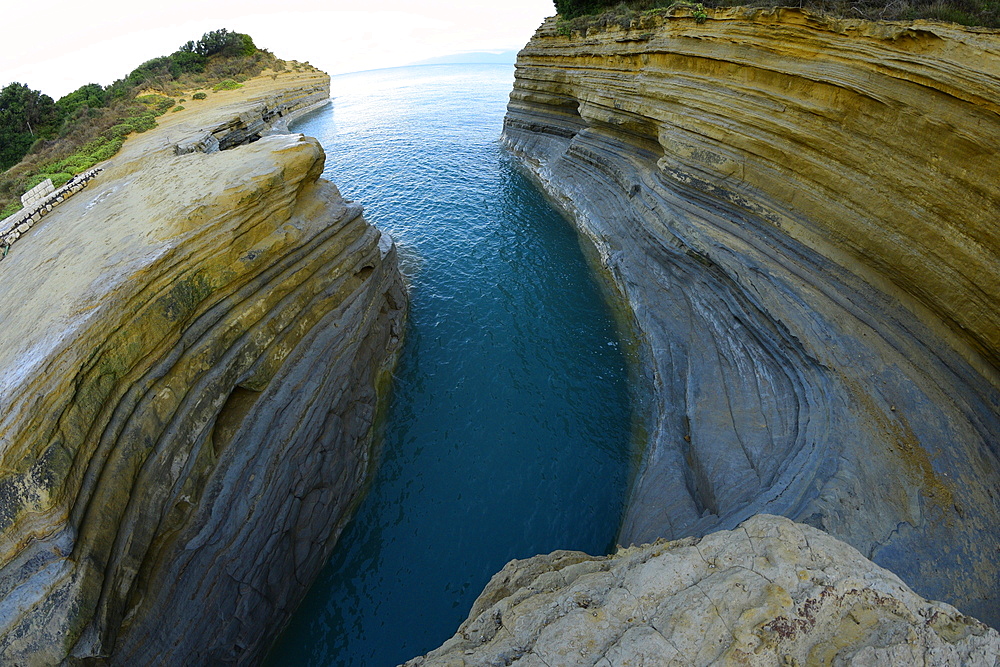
(801, 213)
(769, 592)
(191, 352)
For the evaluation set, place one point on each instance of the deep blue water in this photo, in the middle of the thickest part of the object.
(508, 428)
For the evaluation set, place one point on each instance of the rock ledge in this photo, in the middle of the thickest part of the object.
(769, 592)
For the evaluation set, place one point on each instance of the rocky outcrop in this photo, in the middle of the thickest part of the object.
(769, 592)
(192, 350)
(801, 213)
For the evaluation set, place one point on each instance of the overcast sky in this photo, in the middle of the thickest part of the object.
(58, 46)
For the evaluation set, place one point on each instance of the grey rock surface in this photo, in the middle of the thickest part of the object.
(787, 370)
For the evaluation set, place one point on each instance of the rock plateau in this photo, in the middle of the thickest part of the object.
(192, 350)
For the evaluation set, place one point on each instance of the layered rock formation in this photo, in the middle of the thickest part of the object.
(191, 352)
(769, 592)
(801, 212)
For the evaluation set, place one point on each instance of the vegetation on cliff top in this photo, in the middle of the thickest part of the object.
(41, 138)
(583, 13)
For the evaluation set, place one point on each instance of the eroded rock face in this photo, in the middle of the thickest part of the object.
(191, 352)
(769, 592)
(801, 213)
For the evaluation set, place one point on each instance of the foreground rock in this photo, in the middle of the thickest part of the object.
(801, 213)
(191, 352)
(769, 592)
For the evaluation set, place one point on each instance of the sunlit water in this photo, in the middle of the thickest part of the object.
(508, 428)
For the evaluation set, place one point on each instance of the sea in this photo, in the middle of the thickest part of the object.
(508, 431)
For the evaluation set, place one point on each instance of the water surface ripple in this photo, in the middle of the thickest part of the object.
(507, 432)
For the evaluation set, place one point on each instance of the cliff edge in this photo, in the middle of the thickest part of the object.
(801, 213)
(192, 346)
(769, 592)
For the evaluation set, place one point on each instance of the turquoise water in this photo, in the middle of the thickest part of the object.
(508, 428)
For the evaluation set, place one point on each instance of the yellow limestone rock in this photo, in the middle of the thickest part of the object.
(770, 592)
(189, 368)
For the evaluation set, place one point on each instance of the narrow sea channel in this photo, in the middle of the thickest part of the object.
(508, 428)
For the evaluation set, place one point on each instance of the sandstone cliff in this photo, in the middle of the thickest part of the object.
(801, 212)
(769, 592)
(191, 351)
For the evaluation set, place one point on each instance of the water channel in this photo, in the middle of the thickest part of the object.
(508, 429)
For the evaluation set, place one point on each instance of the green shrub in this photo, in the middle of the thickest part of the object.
(117, 131)
(89, 125)
(157, 104)
(10, 209)
(141, 122)
(106, 149)
(60, 178)
(229, 44)
(34, 180)
(74, 164)
(176, 109)
(227, 84)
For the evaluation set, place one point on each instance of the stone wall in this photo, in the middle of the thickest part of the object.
(36, 193)
(41, 202)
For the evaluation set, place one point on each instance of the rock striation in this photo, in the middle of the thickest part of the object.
(769, 592)
(192, 353)
(801, 213)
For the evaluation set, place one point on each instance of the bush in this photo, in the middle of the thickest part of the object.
(76, 163)
(61, 178)
(118, 131)
(157, 104)
(90, 124)
(10, 209)
(141, 122)
(34, 180)
(229, 44)
(227, 84)
(176, 109)
(106, 149)
(585, 14)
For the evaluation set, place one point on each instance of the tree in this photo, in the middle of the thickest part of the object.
(229, 44)
(90, 95)
(569, 9)
(25, 116)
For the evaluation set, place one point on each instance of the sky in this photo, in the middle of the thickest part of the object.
(98, 41)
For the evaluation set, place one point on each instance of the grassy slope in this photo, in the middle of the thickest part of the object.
(94, 135)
